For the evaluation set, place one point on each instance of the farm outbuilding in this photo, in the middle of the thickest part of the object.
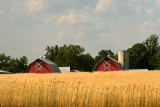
(4, 72)
(108, 64)
(42, 65)
(64, 69)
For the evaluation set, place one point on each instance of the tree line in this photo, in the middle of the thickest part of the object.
(145, 55)
(13, 65)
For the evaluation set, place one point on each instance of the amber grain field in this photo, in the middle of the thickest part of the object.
(103, 89)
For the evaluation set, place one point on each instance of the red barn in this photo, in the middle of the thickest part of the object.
(108, 64)
(41, 65)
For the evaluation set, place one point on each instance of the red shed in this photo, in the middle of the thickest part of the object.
(41, 65)
(108, 64)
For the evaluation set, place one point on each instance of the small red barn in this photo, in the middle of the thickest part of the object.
(41, 65)
(108, 64)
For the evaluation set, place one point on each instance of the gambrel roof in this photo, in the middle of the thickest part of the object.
(109, 58)
(52, 65)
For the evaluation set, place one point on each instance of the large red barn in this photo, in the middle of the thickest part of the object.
(108, 64)
(41, 65)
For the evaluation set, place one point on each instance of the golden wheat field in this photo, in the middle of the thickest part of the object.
(98, 89)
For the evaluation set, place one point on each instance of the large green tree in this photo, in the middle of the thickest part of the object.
(13, 65)
(104, 53)
(156, 60)
(142, 55)
(21, 64)
(5, 61)
(137, 56)
(52, 52)
(151, 45)
(71, 55)
(86, 62)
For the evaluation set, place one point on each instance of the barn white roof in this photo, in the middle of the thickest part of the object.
(1, 71)
(64, 69)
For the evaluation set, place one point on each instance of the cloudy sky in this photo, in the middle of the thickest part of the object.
(28, 26)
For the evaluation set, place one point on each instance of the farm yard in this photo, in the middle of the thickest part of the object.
(79, 53)
(97, 89)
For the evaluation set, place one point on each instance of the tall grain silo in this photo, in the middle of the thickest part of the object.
(123, 58)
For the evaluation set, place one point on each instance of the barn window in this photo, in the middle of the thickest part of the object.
(38, 66)
(106, 65)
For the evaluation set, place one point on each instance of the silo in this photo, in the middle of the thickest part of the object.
(123, 58)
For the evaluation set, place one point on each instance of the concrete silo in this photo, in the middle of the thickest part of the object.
(123, 58)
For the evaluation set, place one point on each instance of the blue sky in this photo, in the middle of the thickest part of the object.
(28, 26)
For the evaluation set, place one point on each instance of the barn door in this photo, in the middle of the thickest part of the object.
(106, 64)
(38, 67)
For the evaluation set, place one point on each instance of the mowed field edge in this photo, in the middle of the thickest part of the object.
(97, 89)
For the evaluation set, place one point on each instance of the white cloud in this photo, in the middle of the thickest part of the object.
(72, 18)
(150, 12)
(11, 19)
(78, 36)
(60, 35)
(149, 23)
(1, 12)
(34, 6)
(113, 7)
(139, 9)
(99, 25)
(50, 19)
(83, 19)
(140, 0)
(104, 6)
(88, 7)
(157, 3)
(103, 36)
(13, 10)
(150, 26)
(61, 20)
